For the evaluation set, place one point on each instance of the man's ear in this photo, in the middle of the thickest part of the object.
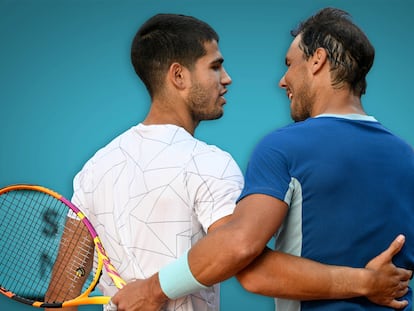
(177, 74)
(319, 59)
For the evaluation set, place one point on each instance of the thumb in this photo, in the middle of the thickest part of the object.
(394, 247)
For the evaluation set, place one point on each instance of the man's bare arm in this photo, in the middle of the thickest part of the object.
(234, 245)
(381, 281)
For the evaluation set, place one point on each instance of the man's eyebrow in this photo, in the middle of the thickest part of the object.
(218, 60)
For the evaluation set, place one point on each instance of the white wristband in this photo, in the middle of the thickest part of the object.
(176, 279)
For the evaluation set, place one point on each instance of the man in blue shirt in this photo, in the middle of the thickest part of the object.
(335, 187)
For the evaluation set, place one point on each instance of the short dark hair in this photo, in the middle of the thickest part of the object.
(165, 39)
(350, 53)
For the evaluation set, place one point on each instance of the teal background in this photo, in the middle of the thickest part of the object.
(67, 86)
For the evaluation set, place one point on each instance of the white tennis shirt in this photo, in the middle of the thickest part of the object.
(151, 193)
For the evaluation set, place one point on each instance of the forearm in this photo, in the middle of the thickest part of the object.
(284, 276)
(232, 246)
(213, 259)
(222, 254)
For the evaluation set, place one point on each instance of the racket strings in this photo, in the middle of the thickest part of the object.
(33, 229)
(26, 251)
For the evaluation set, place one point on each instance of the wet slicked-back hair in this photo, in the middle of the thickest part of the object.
(350, 53)
(165, 39)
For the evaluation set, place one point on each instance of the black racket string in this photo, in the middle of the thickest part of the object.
(24, 255)
(31, 227)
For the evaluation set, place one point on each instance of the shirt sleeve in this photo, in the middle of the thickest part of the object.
(267, 171)
(214, 184)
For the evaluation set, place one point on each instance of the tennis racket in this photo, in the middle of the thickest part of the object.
(50, 254)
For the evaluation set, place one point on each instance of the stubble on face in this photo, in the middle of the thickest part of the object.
(297, 83)
(202, 105)
(302, 104)
(209, 80)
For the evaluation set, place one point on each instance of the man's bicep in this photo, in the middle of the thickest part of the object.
(261, 215)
